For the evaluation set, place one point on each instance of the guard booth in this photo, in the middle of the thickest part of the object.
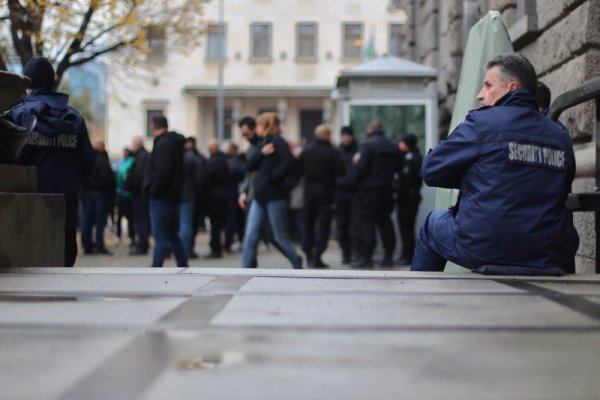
(392, 90)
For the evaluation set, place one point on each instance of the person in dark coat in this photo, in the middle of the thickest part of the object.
(139, 198)
(194, 166)
(408, 195)
(218, 183)
(514, 168)
(59, 148)
(345, 197)
(98, 190)
(274, 177)
(376, 162)
(321, 164)
(234, 213)
(163, 183)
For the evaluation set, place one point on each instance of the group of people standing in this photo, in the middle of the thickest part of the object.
(248, 195)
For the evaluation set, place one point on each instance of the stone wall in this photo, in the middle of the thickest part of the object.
(560, 37)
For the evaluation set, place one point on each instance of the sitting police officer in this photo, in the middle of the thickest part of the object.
(514, 168)
(59, 147)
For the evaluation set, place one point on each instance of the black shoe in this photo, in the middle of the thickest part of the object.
(361, 264)
(138, 252)
(319, 264)
(404, 261)
(89, 252)
(193, 256)
(104, 252)
(386, 263)
(213, 256)
(310, 261)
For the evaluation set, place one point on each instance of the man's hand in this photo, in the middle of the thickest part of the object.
(268, 149)
(242, 199)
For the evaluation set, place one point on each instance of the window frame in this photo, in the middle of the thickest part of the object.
(269, 57)
(362, 34)
(391, 25)
(314, 57)
(224, 55)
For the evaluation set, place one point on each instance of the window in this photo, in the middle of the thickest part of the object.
(353, 40)
(306, 41)
(216, 42)
(261, 41)
(227, 123)
(151, 113)
(156, 42)
(396, 38)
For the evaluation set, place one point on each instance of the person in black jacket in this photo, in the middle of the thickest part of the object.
(274, 178)
(376, 163)
(345, 197)
(59, 147)
(163, 183)
(408, 194)
(98, 190)
(218, 182)
(194, 166)
(321, 164)
(139, 197)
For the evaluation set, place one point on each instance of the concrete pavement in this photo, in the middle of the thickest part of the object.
(214, 333)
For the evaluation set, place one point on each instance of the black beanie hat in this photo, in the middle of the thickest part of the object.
(410, 140)
(41, 73)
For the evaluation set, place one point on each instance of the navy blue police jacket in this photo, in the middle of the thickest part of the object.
(59, 147)
(514, 168)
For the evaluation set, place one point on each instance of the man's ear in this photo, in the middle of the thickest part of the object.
(513, 85)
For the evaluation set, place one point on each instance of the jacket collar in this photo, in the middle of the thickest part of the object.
(518, 98)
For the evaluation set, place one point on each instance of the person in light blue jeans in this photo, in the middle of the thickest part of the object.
(277, 214)
(273, 167)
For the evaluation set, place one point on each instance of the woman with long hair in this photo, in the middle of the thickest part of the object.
(275, 175)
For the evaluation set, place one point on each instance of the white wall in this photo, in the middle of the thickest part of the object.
(129, 93)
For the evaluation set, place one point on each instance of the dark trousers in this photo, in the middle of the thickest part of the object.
(407, 216)
(95, 214)
(345, 216)
(231, 224)
(217, 213)
(141, 217)
(374, 209)
(317, 217)
(165, 229)
(125, 210)
(70, 246)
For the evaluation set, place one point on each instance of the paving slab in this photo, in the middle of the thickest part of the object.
(431, 310)
(92, 282)
(355, 365)
(41, 364)
(135, 333)
(394, 285)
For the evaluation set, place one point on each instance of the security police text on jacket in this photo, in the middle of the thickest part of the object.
(514, 168)
(59, 147)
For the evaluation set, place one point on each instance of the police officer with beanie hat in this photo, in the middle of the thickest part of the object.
(59, 147)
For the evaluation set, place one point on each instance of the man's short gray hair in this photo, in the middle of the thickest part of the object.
(515, 67)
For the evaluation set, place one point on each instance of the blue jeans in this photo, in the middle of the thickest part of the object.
(95, 213)
(277, 214)
(165, 218)
(186, 226)
(437, 244)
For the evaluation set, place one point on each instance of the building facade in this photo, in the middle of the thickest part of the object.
(280, 56)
